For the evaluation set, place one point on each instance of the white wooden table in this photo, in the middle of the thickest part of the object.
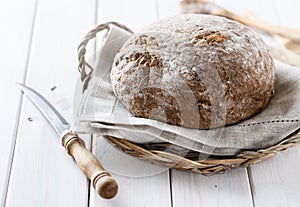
(38, 47)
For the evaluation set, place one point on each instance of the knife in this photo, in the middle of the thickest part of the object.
(102, 181)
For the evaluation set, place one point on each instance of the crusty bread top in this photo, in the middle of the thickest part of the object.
(197, 71)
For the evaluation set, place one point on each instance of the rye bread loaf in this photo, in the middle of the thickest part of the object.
(196, 71)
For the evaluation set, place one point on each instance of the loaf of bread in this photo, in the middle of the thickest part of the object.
(196, 71)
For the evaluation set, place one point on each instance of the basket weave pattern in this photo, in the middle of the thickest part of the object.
(206, 166)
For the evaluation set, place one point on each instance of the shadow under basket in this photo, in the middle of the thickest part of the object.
(173, 156)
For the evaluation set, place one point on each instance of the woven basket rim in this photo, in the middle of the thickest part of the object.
(207, 166)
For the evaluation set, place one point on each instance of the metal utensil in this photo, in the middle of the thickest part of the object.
(102, 181)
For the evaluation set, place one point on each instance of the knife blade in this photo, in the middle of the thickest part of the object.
(102, 181)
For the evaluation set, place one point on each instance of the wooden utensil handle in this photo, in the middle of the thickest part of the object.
(102, 181)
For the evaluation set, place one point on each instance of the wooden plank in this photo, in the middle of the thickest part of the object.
(140, 183)
(228, 189)
(167, 8)
(276, 180)
(16, 17)
(42, 173)
(190, 189)
(288, 13)
(133, 13)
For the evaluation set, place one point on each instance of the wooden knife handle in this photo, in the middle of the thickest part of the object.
(102, 181)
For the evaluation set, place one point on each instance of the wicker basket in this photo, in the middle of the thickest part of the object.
(157, 154)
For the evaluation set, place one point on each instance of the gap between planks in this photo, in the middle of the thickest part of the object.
(90, 187)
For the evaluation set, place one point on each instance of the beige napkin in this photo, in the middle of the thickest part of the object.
(100, 112)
